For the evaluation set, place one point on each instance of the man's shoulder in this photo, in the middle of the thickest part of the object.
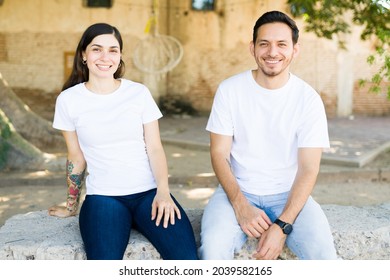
(302, 86)
(236, 78)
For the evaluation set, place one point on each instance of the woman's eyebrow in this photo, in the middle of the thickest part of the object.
(100, 46)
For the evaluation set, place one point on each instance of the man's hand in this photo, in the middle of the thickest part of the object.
(271, 244)
(252, 220)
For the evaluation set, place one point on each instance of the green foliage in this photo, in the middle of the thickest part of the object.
(5, 133)
(332, 18)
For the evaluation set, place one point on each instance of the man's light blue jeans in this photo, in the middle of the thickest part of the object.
(221, 235)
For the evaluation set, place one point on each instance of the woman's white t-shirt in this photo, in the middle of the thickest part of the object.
(268, 127)
(110, 133)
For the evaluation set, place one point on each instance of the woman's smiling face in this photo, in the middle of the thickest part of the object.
(103, 56)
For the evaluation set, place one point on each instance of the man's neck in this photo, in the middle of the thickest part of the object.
(270, 82)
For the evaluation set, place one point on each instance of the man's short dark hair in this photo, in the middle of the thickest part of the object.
(276, 16)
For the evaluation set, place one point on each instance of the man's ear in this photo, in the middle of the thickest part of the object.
(252, 48)
(296, 50)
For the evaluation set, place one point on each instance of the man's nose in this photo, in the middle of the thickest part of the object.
(273, 50)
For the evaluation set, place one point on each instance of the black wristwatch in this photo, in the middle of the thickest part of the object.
(286, 227)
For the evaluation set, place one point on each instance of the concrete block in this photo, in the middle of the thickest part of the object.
(360, 233)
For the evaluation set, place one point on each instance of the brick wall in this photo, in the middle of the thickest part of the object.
(369, 103)
(3, 48)
(36, 60)
(330, 103)
(215, 47)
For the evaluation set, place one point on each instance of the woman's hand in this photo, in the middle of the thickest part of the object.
(61, 211)
(164, 209)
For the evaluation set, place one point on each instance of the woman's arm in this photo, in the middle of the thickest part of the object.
(75, 171)
(163, 205)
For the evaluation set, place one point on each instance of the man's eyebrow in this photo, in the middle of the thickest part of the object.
(266, 40)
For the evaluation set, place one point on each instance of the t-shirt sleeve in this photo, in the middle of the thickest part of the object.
(220, 120)
(151, 111)
(313, 130)
(62, 119)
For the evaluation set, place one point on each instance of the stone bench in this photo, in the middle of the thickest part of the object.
(360, 233)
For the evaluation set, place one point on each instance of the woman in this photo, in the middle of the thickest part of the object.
(110, 125)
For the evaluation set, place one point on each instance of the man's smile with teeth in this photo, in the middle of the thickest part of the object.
(272, 61)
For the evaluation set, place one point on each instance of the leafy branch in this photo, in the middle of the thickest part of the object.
(333, 18)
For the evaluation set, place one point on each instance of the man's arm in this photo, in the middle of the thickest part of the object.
(308, 168)
(253, 221)
(271, 243)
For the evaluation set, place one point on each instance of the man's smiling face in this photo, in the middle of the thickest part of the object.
(274, 49)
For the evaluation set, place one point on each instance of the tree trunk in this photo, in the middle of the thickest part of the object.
(18, 154)
(28, 124)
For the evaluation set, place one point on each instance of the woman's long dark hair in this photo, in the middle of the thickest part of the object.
(80, 72)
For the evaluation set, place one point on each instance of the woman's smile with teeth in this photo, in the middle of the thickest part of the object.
(103, 66)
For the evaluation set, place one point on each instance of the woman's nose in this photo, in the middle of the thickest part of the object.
(104, 54)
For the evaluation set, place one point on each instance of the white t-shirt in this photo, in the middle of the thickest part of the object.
(110, 133)
(268, 127)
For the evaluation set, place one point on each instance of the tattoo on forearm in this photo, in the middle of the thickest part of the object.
(74, 181)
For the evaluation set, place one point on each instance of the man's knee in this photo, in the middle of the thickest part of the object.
(215, 249)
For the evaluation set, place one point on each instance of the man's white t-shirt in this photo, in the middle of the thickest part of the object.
(110, 132)
(268, 127)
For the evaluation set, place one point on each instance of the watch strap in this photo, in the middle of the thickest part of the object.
(286, 227)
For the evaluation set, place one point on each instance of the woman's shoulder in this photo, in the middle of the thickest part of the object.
(69, 93)
(73, 89)
(134, 87)
(131, 83)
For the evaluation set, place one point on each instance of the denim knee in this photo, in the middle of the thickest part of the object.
(105, 225)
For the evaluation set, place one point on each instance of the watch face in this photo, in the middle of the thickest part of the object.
(287, 229)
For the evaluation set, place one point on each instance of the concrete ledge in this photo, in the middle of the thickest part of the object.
(355, 160)
(360, 233)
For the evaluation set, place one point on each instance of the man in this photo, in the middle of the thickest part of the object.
(267, 131)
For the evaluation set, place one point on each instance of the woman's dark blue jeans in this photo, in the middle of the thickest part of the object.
(106, 222)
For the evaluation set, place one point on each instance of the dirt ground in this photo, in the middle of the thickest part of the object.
(192, 179)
